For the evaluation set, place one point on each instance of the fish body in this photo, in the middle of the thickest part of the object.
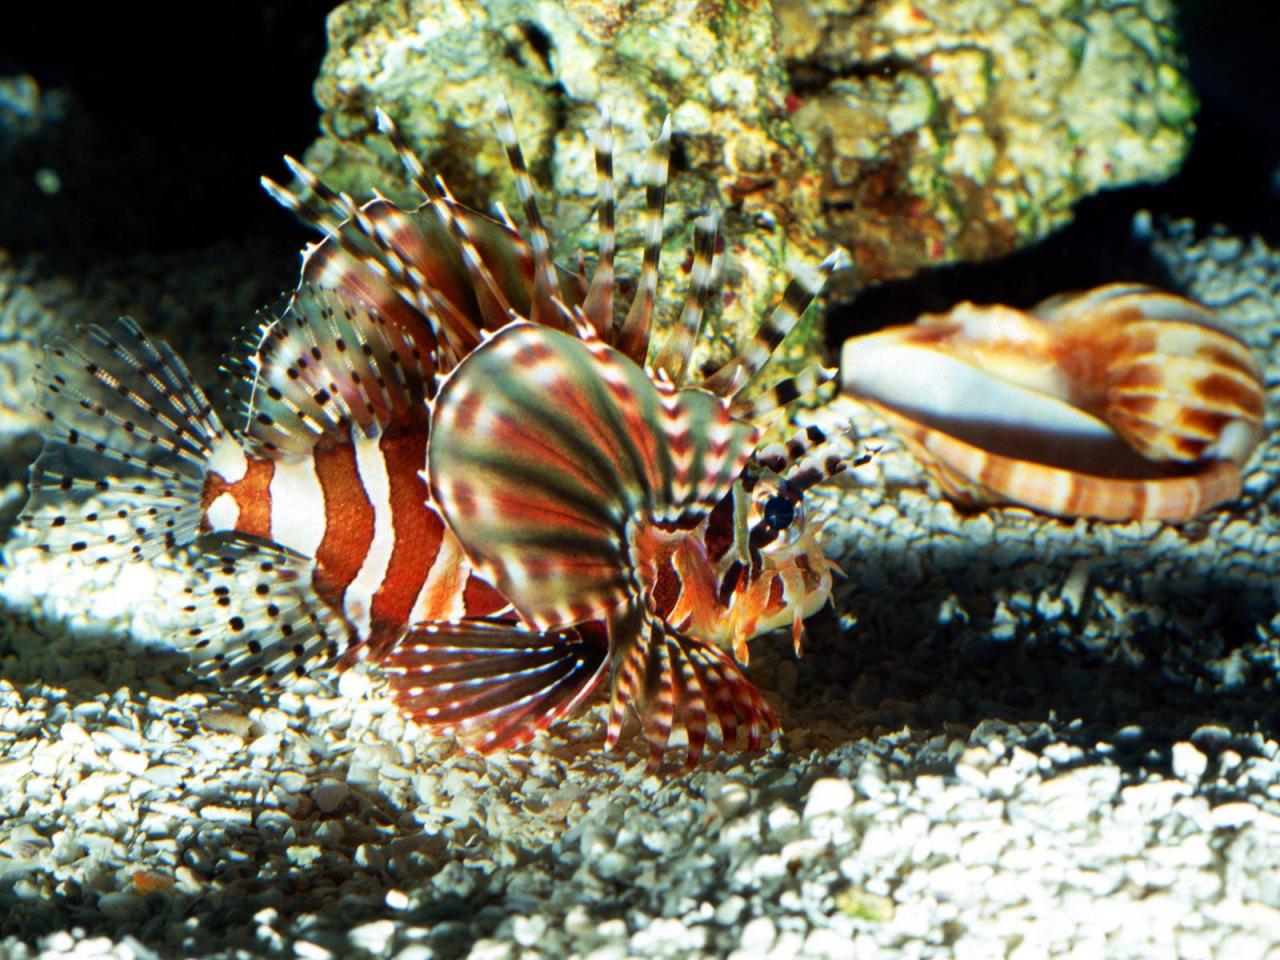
(460, 463)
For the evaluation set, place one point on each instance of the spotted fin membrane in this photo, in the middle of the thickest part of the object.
(130, 439)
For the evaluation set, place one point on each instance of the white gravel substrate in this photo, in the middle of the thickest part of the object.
(1037, 740)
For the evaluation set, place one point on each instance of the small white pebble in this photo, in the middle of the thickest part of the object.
(828, 796)
(311, 951)
(1188, 762)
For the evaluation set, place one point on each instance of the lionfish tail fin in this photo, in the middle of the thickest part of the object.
(495, 684)
(676, 681)
(129, 438)
(738, 372)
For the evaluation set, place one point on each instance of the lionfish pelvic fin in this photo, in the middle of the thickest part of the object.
(496, 683)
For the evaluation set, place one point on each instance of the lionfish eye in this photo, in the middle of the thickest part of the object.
(779, 512)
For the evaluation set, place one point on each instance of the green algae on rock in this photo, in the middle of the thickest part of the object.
(912, 133)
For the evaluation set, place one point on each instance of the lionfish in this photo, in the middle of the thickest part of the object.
(461, 463)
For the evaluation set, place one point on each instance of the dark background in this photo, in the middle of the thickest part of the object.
(178, 117)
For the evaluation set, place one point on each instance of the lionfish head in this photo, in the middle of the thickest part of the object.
(763, 565)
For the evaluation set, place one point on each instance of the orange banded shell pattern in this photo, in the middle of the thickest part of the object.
(1119, 403)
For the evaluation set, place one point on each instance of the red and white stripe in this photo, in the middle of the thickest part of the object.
(359, 510)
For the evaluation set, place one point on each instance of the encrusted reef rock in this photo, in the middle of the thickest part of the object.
(963, 129)
(912, 133)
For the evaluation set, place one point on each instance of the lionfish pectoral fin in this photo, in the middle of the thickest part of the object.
(671, 679)
(253, 619)
(129, 438)
(495, 683)
(537, 463)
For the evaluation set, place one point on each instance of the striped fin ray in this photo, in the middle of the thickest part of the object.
(128, 438)
(253, 620)
(406, 265)
(783, 393)
(494, 683)
(413, 168)
(676, 681)
(351, 261)
(708, 450)
(738, 372)
(546, 281)
(632, 337)
(324, 366)
(598, 303)
(812, 455)
(542, 447)
(499, 259)
(673, 359)
(490, 290)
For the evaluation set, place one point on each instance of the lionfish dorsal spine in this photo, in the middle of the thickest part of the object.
(415, 172)
(632, 337)
(546, 282)
(673, 358)
(598, 302)
(738, 372)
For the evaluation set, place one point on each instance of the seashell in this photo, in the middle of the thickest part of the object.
(1118, 403)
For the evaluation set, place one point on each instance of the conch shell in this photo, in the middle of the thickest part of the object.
(1119, 403)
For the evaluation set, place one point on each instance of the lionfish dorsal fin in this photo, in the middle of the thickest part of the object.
(632, 337)
(738, 372)
(413, 168)
(678, 349)
(598, 303)
(546, 280)
(326, 366)
(407, 264)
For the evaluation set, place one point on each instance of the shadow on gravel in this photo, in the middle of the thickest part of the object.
(1186, 654)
